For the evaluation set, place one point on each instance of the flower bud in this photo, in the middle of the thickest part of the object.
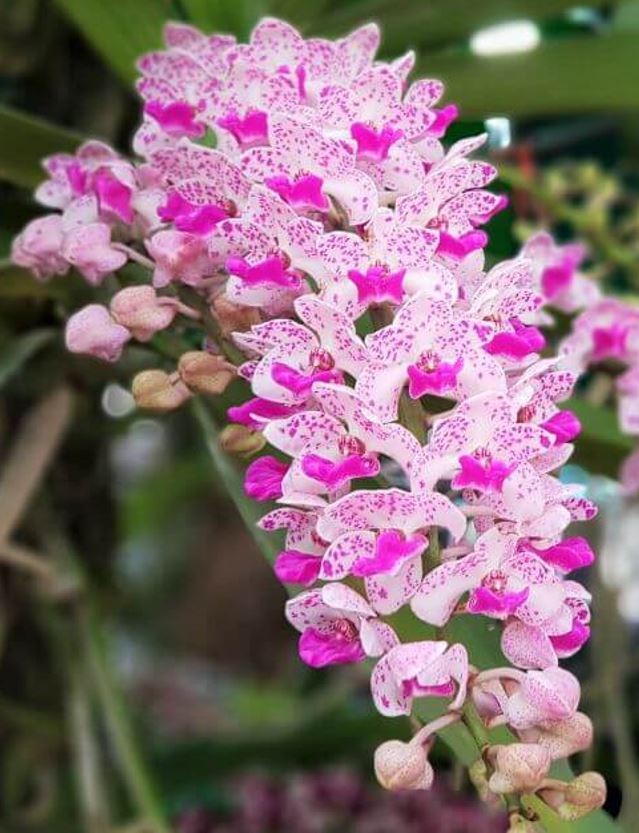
(140, 310)
(240, 440)
(402, 766)
(234, 317)
(204, 372)
(574, 799)
(562, 738)
(585, 793)
(518, 767)
(155, 390)
(93, 331)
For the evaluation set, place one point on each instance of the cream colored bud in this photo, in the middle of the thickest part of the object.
(204, 372)
(518, 767)
(562, 738)
(234, 317)
(402, 766)
(585, 793)
(242, 441)
(156, 390)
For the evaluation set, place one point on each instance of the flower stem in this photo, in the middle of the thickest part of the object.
(475, 725)
(119, 725)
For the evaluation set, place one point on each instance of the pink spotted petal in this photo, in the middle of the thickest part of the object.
(334, 475)
(438, 381)
(485, 601)
(321, 649)
(564, 425)
(263, 478)
(294, 567)
(177, 118)
(569, 643)
(392, 548)
(526, 646)
(568, 555)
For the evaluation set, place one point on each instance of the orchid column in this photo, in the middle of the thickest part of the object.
(299, 192)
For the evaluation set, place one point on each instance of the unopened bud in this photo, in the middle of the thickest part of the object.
(564, 738)
(156, 390)
(402, 766)
(204, 372)
(140, 310)
(242, 441)
(574, 799)
(234, 317)
(93, 331)
(518, 767)
(585, 793)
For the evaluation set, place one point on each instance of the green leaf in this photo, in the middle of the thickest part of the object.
(15, 354)
(627, 16)
(24, 141)
(19, 283)
(568, 75)
(234, 16)
(231, 480)
(415, 23)
(118, 30)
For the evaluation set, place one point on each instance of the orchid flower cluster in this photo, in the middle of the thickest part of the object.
(605, 336)
(300, 192)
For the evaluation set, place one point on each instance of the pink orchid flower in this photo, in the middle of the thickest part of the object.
(305, 168)
(419, 669)
(379, 535)
(296, 357)
(299, 562)
(337, 626)
(452, 201)
(331, 448)
(524, 700)
(179, 257)
(204, 187)
(394, 261)
(558, 274)
(481, 445)
(430, 349)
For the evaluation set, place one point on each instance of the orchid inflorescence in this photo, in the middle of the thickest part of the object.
(299, 191)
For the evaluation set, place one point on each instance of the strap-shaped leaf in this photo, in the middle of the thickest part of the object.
(233, 16)
(16, 353)
(568, 75)
(415, 23)
(24, 141)
(120, 30)
(231, 480)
